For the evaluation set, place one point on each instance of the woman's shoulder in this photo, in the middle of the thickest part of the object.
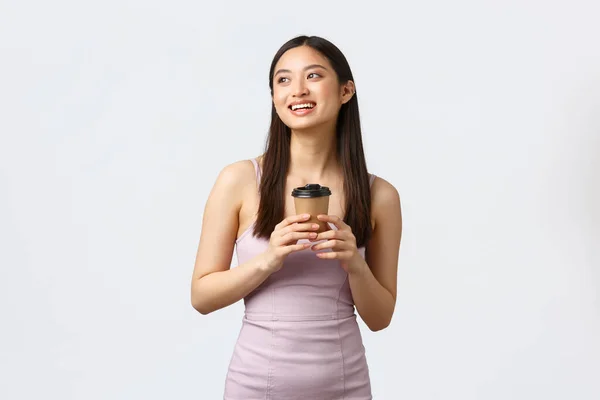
(383, 194)
(237, 180)
(238, 172)
(385, 203)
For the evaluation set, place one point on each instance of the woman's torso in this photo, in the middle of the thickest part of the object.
(299, 338)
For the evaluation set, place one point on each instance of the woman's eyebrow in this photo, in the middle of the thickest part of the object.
(287, 71)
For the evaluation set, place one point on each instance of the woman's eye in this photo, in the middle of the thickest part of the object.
(313, 75)
(282, 80)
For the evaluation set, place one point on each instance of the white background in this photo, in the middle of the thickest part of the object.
(117, 116)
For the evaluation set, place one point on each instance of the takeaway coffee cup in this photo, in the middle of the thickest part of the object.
(312, 199)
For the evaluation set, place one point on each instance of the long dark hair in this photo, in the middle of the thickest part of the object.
(276, 160)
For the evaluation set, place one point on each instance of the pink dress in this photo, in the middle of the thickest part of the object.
(299, 337)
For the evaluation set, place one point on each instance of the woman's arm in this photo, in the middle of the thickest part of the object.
(214, 284)
(373, 281)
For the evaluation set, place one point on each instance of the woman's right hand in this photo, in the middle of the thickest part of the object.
(284, 240)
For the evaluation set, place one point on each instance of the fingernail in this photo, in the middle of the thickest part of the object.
(312, 235)
(315, 226)
(306, 216)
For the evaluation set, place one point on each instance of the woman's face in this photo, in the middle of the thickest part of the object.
(306, 91)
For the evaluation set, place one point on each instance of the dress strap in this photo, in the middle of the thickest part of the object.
(371, 179)
(257, 170)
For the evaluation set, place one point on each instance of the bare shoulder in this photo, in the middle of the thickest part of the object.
(236, 178)
(239, 172)
(383, 192)
(385, 200)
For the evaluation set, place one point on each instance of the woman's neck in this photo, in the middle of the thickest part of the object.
(313, 155)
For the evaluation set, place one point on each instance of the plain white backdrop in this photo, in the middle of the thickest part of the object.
(116, 117)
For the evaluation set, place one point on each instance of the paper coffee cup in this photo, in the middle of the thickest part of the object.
(312, 199)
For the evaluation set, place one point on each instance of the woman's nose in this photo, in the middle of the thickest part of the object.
(300, 88)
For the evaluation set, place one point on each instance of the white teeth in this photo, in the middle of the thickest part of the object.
(297, 106)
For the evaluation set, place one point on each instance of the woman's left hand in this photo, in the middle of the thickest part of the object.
(342, 242)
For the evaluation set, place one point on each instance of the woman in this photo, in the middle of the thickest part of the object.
(300, 338)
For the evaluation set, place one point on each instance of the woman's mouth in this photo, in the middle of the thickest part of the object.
(301, 109)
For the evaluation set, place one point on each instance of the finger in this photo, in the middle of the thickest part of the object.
(334, 219)
(292, 219)
(330, 244)
(295, 236)
(298, 227)
(330, 255)
(295, 247)
(333, 234)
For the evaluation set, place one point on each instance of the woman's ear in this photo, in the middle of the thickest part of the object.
(348, 91)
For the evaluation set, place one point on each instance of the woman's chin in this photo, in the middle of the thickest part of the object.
(304, 125)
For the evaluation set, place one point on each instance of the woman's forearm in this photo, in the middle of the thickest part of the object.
(221, 289)
(374, 303)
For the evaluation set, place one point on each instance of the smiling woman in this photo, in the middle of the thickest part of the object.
(299, 337)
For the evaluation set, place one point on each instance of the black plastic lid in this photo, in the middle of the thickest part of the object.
(311, 190)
